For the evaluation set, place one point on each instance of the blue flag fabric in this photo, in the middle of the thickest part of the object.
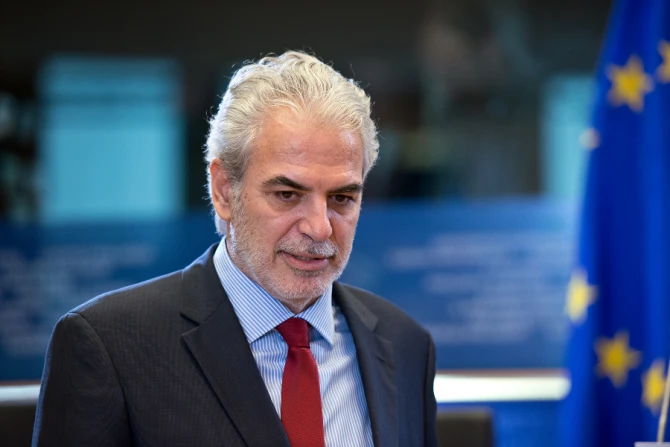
(618, 299)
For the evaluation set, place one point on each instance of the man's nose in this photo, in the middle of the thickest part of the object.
(315, 222)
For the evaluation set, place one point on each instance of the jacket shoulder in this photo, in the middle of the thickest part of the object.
(153, 296)
(390, 315)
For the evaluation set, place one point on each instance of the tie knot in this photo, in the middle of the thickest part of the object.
(295, 332)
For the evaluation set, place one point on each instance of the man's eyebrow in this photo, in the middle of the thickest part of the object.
(282, 180)
(353, 187)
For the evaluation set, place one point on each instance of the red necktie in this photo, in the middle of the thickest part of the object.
(300, 393)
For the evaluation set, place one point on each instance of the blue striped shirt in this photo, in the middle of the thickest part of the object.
(345, 411)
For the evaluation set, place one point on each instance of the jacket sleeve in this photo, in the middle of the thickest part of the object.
(81, 401)
(430, 410)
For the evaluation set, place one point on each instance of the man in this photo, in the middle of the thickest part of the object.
(255, 343)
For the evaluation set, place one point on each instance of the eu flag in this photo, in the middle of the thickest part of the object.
(619, 300)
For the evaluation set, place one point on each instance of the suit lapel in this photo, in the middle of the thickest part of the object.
(376, 362)
(220, 348)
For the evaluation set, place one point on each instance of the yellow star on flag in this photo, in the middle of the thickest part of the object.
(615, 358)
(663, 71)
(580, 296)
(629, 84)
(653, 386)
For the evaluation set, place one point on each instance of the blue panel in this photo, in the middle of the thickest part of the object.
(564, 121)
(111, 139)
(487, 279)
(45, 271)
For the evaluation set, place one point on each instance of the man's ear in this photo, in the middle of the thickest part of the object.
(222, 189)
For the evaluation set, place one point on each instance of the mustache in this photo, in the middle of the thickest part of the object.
(325, 249)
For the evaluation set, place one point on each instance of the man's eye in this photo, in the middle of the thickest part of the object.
(286, 195)
(342, 199)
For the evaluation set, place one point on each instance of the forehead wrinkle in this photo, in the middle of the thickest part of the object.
(293, 155)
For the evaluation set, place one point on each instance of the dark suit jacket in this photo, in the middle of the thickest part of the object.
(166, 363)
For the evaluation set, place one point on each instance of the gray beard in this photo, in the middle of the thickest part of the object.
(248, 257)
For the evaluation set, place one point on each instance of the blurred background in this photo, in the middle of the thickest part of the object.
(469, 218)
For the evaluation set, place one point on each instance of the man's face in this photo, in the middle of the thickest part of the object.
(292, 222)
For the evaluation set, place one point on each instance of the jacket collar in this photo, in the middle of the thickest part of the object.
(220, 348)
(376, 363)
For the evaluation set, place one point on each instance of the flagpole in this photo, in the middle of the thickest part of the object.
(664, 408)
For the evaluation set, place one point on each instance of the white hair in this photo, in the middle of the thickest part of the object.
(295, 81)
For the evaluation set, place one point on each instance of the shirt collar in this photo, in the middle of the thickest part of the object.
(258, 311)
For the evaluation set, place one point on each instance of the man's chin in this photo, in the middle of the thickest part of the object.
(299, 291)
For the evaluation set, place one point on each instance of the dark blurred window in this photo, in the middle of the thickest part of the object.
(460, 87)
